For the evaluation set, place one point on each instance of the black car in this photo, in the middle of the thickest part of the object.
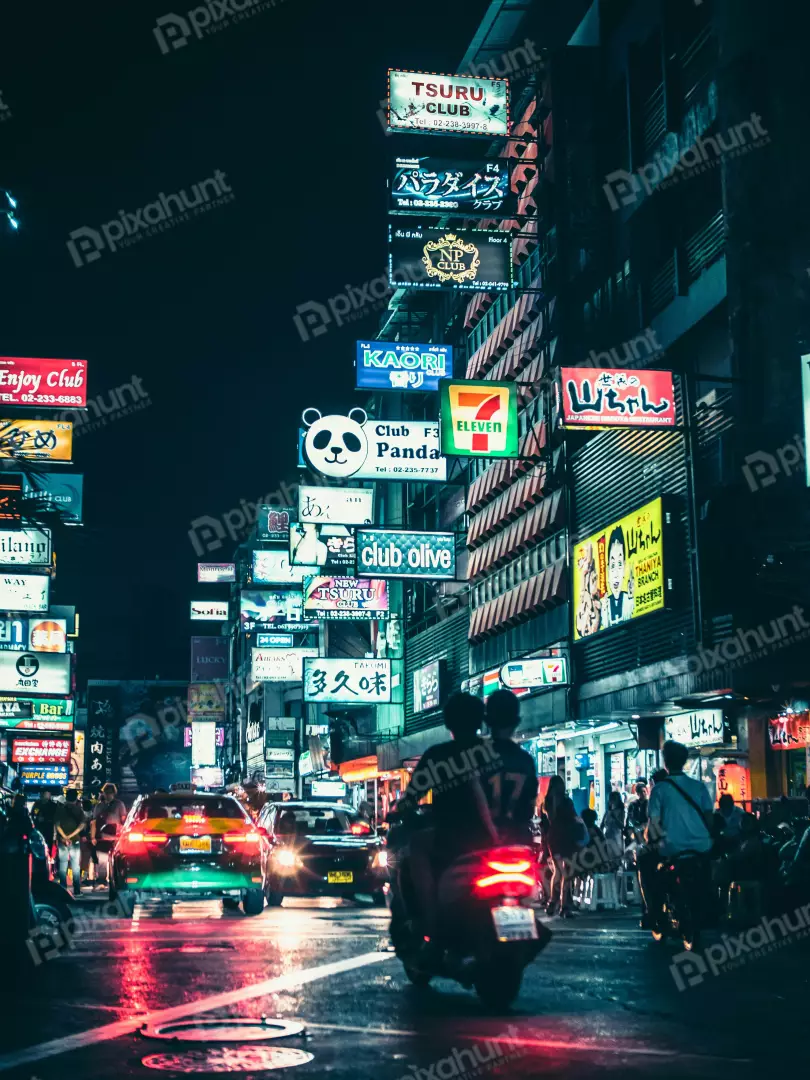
(190, 844)
(319, 849)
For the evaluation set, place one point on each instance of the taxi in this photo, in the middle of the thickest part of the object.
(190, 843)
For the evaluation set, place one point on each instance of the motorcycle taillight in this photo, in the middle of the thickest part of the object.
(507, 872)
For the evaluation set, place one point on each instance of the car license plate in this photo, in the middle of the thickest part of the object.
(340, 877)
(195, 844)
(514, 923)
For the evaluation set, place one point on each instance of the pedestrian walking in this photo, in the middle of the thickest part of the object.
(110, 811)
(564, 840)
(613, 827)
(44, 814)
(70, 822)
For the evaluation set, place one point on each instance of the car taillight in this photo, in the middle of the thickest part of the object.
(132, 842)
(244, 841)
(508, 872)
(360, 829)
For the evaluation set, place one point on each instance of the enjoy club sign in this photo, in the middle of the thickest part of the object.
(393, 553)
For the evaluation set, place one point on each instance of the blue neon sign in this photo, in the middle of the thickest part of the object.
(397, 365)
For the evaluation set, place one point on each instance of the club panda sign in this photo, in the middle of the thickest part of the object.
(392, 553)
(352, 446)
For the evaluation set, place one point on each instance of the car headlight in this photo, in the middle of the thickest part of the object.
(380, 858)
(285, 858)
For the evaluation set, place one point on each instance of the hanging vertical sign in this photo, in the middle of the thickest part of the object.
(101, 746)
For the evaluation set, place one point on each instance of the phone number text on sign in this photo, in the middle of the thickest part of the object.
(34, 381)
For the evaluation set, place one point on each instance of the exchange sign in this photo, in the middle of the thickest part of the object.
(54, 384)
(37, 673)
(346, 679)
(397, 365)
(216, 571)
(335, 506)
(25, 547)
(535, 672)
(41, 751)
(24, 592)
(619, 573)
(605, 397)
(331, 548)
(449, 104)
(275, 568)
(393, 553)
(476, 259)
(427, 185)
(346, 598)
(479, 419)
(348, 446)
(36, 440)
(279, 665)
(209, 610)
(264, 609)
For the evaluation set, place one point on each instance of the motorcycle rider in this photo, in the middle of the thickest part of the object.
(461, 821)
(680, 821)
(510, 786)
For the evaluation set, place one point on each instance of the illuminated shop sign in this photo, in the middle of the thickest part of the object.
(447, 104)
(346, 598)
(395, 553)
(397, 365)
(479, 418)
(602, 397)
(476, 259)
(50, 384)
(430, 185)
(335, 506)
(351, 446)
(347, 679)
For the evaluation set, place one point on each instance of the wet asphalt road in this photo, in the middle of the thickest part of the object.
(601, 998)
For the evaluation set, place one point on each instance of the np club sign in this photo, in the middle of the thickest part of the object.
(479, 419)
(391, 553)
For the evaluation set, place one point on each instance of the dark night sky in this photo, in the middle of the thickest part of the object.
(285, 104)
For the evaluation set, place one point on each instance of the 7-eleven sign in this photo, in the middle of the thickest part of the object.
(479, 419)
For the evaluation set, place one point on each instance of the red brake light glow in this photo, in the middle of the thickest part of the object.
(194, 819)
(510, 873)
(360, 829)
(136, 841)
(250, 839)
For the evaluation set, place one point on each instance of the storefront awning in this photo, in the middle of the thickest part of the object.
(358, 769)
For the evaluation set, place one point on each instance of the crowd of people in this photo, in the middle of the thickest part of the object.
(670, 814)
(78, 834)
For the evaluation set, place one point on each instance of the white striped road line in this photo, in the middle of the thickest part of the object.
(292, 980)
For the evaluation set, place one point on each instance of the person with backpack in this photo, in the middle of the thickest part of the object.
(680, 821)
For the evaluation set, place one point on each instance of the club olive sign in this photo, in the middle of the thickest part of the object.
(395, 553)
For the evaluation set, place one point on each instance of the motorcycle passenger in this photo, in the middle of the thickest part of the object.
(460, 820)
(680, 816)
(510, 784)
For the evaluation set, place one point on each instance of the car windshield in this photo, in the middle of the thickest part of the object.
(165, 806)
(318, 821)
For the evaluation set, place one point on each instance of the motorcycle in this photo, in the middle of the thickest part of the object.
(686, 885)
(487, 932)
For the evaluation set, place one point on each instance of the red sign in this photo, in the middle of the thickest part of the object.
(40, 751)
(611, 397)
(735, 780)
(54, 384)
(789, 732)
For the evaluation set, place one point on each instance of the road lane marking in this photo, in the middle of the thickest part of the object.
(291, 981)
(531, 1043)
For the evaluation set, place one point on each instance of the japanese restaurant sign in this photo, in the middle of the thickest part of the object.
(703, 727)
(619, 573)
(54, 384)
(609, 397)
(790, 732)
(347, 679)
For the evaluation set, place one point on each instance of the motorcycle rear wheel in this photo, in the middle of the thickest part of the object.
(498, 984)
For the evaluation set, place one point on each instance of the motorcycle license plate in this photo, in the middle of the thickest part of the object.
(340, 877)
(195, 844)
(514, 923)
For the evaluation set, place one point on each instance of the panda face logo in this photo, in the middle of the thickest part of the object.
(335, 445)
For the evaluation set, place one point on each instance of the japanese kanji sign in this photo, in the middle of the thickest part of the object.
(790, 732)
(619, 573)
(36, 440)
(346, 679)
(429, 185)
(608, 397)
(101, 762)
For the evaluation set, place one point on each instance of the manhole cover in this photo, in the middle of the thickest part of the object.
(229, 1059)
(224, 1029)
